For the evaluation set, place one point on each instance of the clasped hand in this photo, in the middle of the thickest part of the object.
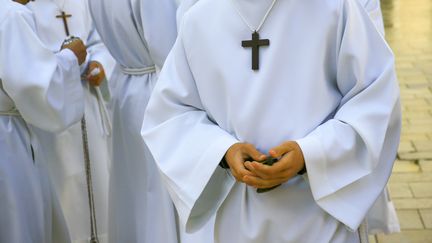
(245, 163)
(95, 73)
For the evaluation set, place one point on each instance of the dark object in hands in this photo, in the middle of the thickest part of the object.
(269, 161)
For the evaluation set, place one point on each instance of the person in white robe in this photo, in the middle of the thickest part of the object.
(382, 217)
(65, 150)
(139, 35)
(325, 98)
(37, 89)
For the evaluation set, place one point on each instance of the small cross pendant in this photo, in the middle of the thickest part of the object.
(255, 44)
(64, 16)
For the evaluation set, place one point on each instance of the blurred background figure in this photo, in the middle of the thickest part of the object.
(37, 89)
(139, 34)
(57, 20)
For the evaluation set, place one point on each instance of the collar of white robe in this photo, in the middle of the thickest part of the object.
(138, 71)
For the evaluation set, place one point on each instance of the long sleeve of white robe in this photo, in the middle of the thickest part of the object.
(349, 154)
(50, 84)
(179, 100)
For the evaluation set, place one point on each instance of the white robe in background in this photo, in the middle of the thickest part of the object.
(46, 90)
(327, 82)
(139, 34)
(65, 150)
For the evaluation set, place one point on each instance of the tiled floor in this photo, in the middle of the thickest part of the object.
(409, 33)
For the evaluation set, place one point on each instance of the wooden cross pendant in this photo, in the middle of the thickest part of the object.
(255, 44)
(64, 16)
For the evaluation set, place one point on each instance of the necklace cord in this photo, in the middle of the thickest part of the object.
(262, 21)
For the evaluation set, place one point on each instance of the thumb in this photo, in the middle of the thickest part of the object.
(254, 154)
(282, 149)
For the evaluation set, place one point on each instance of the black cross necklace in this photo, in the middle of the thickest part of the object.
(255, 43)
(64, 16)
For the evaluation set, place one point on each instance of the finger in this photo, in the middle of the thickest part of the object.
(100, 70)
(278, 169)
(253, 153)
(264, 174)
(238, 170)
(292, 160)
(239, 173)
(94, 80)
(91, 67)
(268, 172)
(102, 75)
(282, 149)
(286, 162)
(261, 183)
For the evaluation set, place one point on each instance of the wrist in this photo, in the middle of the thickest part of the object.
(303, 170)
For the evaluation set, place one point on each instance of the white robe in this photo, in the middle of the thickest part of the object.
(65, 150)
(47, 91)
(139, 34)
(327, 82)
(382, 217)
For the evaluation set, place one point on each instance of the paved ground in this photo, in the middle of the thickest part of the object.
(409, 33)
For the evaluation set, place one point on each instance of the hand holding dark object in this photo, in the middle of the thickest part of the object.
(271, 174)
(95, 73)
(237, 155)
(77, 47)
(269, 161)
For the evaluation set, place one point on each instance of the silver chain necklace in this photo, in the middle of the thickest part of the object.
(236, 7)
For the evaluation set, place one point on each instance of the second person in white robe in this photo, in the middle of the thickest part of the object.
(64, 151)
(139, 35)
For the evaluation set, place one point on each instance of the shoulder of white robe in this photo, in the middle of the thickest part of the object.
(11, 8)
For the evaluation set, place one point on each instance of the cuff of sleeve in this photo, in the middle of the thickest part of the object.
(224, 164)
(315, 163)
(73, 90)
(215, 188)
(69, 57)
(324, 193)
